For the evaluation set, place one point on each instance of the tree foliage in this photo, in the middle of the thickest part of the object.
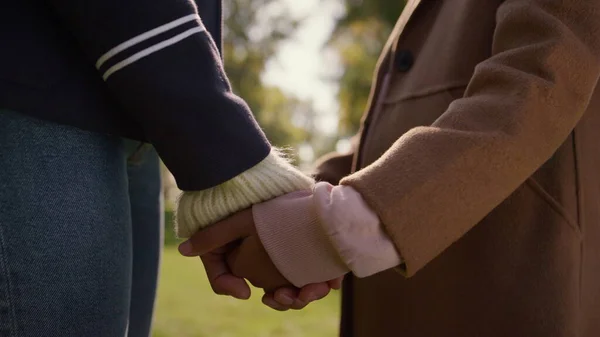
(358, 37)
(252, 31)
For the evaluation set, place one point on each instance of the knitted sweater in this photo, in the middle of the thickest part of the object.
(272, 177)
(140, 69)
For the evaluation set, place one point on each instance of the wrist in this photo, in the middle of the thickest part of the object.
(272, 177)
(290, 231)
(319, 236)
(354, 230)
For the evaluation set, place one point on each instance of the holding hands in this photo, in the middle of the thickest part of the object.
(231, 251)
(296, 246)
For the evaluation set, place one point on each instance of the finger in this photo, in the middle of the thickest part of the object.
(220, 277)
(336, 283)
(270, 302)
(313, 292)
(285, 296)
(235, 227)
(288, 297)
(298, 304)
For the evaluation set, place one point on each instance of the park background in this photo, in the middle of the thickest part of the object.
(304, 67)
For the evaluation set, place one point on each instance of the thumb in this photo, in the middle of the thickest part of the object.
(233, 228)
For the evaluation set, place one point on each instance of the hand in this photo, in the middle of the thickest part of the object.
(219, 247)
(287, 297)
(293, 298)
(251, 261)
(231, 249)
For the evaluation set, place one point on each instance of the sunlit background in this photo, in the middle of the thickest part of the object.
(304, 67)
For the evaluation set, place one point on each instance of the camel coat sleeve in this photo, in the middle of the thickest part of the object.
(332, 167)
(437, 182)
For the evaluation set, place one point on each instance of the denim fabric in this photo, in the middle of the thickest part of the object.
(66, 235)
(147, 222)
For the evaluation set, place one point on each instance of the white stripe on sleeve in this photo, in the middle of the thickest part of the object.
(150, 50)
(145, 36)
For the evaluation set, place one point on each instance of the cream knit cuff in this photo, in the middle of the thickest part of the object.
(272, 177)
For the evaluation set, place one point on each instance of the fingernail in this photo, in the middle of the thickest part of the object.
(312, 298)
(286, 300)
(186, 248)
(243, 294)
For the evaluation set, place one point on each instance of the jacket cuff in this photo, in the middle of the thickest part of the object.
(272, 177)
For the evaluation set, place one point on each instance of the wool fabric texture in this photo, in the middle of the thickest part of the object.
(148, 70)
(272, 177)
(488, 182)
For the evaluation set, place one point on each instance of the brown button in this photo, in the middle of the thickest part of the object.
(403, 60)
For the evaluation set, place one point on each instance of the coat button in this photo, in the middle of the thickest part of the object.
(404, 60)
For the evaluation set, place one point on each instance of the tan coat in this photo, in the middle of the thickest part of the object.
(485, 172)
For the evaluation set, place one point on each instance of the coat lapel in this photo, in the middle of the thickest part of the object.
(407, 13)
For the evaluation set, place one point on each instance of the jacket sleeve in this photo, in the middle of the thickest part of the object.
(163, 68)
(334, 166)
(437, 182)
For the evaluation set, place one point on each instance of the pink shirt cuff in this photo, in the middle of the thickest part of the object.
(319, 236)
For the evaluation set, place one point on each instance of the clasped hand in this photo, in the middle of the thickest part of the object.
(232, 252)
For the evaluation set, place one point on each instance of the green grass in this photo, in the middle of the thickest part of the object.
(187, 307)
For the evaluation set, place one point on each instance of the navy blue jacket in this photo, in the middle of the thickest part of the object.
(141, 69)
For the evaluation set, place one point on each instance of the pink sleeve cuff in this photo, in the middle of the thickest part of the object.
(354, 230)
(319, 236)
(289, 230)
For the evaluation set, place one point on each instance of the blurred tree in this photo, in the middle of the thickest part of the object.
(358, 37)
(253, 30)
(251, 34)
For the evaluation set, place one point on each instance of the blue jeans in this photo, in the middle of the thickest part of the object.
(80, 231)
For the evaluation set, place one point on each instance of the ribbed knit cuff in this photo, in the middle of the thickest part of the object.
(320, 236)
(354, 230)
(290, 231)
(272, 177)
